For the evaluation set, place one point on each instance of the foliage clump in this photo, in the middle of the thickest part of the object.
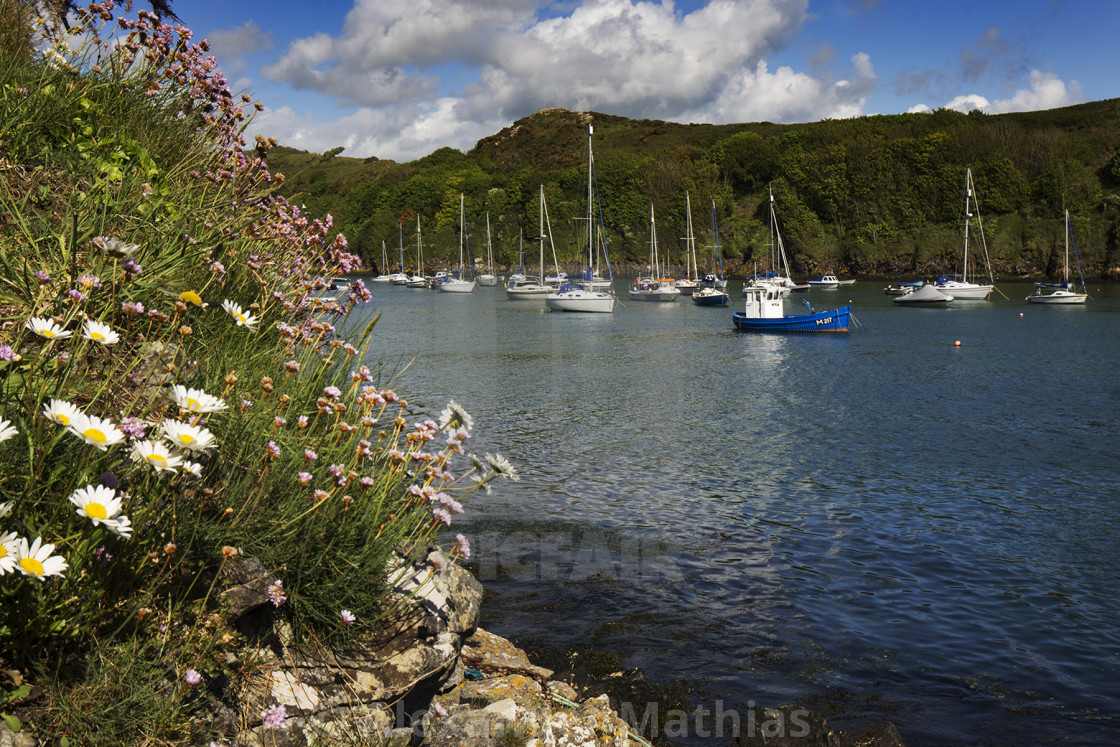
(175, 392)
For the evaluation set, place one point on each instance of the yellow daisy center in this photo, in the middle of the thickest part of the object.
(96, 336)
(46, 333)
(62, 419)
(32, 566)
(96, 511)
(240, 318)
(157, 460)
(94, 434)
(3, 552)
(193, 404)
(191, 297)
(186, 438)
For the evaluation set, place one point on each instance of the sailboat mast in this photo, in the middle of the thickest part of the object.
(541, 224)
(590, 193)
(715, 230)
(489, 248)
(967, 217)
(1065, 263)
(773, 254)
(690, 242)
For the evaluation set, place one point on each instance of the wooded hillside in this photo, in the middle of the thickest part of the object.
(876, 195)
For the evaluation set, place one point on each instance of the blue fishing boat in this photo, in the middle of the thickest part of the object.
(765, 312)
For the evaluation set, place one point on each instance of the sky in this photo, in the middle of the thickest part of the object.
(398, 79)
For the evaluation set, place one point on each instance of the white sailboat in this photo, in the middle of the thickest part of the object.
(400, 278)
(385, 276)
(417, 279)
(526, 287)
(1063, 293)
(653, 287)
(784, 283)
(488, 278)
(962, 290)
(714, 287)
(459, 283)
(691, 281)
(571, 296)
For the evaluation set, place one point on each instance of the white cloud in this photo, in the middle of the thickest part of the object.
(1047, 91)
(968, 102)
(788, 96)
(446, 73)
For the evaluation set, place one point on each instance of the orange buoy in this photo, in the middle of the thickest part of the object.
(957, 344)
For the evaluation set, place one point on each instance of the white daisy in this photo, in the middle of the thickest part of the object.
(502, 466)
(156, 456)
(7, 430)
(192, 468)
(186, 436)
(5, 509)
(47, 328)
(9, 548)
(97, 431)
(114, 246)
(455, 416)
(36, 560)
(239, 315)
(196, 400)
(121, 526)
(62, 412)
(99, 504)
(98, 332)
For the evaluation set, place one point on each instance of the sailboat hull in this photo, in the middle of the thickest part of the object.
(710, 297)
(1059, 298)
(965, 291)
(656, 295)
(487, 280)
(454, 285)
(580, 300)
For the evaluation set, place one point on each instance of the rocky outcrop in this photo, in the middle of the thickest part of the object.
(434, 679)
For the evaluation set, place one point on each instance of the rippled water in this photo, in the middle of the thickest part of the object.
(879, 524)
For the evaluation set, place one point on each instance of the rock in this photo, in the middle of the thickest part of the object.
(448, 596)
(476, 728)
(492, 654)
(247, 582)
(517, 688)
(9, 738)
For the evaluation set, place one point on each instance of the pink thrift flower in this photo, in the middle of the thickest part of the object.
(275, 717)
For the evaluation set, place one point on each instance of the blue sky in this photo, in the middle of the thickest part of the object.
(399, 78)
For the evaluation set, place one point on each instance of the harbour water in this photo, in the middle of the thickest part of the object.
(879, 525)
